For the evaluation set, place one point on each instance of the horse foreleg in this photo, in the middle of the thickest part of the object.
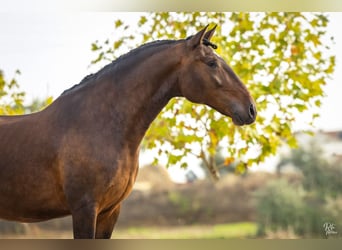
(84, 222)
(106, 222)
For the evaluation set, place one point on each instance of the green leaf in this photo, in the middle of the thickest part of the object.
(142, 20)
(95, 47)
(117, 44)
(118, 23)
(292, 142)
(318, 103)
(300, 107)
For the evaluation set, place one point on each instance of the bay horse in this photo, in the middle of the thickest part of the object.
(79, 155)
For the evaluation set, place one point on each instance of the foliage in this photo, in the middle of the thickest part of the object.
(303, 208)
(333, 206)
(321, 176)
(38, 104)
(282, 58)
(223, 165)
(183, 203)
(11, 98)
(282, 206)
(8, 227)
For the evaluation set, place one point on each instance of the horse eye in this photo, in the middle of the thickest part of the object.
(212, 64)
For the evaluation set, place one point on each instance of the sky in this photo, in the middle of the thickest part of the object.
(52, 51)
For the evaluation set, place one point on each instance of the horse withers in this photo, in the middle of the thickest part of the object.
(79, 156)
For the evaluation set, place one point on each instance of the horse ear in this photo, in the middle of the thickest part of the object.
(197, 39)
(209, 34)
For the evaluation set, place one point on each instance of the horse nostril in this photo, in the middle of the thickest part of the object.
(252, 111)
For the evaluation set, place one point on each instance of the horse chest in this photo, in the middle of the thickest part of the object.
(118, 186)
(106, 178)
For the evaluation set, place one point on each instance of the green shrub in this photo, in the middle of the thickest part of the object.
(179, 200)
(8, 227)
(284, 207)
(279, 206)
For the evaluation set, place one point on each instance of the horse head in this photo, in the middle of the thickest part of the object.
(206, 78)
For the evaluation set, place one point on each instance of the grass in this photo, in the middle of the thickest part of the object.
(220, 231)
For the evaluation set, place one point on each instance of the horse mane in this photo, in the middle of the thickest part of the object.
(121, 60)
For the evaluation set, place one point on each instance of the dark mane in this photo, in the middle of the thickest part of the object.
(123, 59)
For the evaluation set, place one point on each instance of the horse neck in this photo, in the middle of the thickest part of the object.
(140, 94)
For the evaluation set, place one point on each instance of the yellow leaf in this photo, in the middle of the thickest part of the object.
(213, 137)
(228, 161)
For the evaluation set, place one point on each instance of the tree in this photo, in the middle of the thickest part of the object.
(283, 58)
(320, 175)
(11, 98)
(303, 207)
(38, 104)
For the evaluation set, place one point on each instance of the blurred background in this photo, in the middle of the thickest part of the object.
(202, 177)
